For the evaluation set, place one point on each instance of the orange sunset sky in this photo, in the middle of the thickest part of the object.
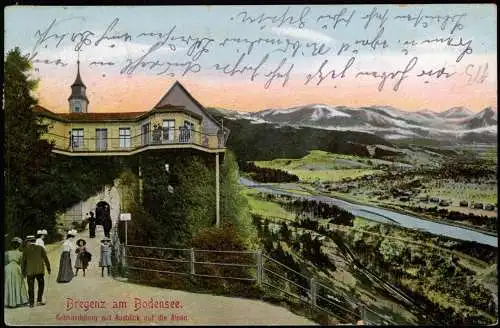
(141, 92)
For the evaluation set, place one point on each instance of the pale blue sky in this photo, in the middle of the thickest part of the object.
(21, 22)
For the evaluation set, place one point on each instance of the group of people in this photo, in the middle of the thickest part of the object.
(83, 257)
(32, 261)
(29, 264)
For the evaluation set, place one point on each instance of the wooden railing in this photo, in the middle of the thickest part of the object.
(269, 273)
(182, 137)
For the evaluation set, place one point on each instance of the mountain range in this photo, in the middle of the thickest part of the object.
(454, 124)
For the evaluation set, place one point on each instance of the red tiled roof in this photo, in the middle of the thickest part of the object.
(100, 116)
(116, 116)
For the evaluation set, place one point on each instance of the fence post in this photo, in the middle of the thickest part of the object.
(259, 268)
(313, 291)
(192, 261)
(362, 312)
(124, 258)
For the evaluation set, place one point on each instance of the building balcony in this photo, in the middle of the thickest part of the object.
(129, 145)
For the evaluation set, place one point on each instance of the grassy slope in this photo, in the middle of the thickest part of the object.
(323, 166)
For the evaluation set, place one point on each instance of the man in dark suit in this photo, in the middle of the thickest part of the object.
(33, 265)
(107, 225)
(92, 225)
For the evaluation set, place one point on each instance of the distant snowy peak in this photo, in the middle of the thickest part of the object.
(486, 117)
(317, 111)
(427, 113)
(325, 111)
(388, 110)
(456, 112)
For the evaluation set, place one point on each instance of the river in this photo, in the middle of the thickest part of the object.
(383, 215)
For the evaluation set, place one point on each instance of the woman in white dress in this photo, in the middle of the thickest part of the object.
(41, 236)
(65, 269)
(105, 258)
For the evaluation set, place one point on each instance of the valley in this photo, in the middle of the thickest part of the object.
(398, 215)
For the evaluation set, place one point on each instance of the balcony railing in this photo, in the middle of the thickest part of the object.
(130, 143)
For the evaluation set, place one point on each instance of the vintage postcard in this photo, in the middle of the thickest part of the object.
(223, 165)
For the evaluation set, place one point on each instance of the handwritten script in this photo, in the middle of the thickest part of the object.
(300, 44)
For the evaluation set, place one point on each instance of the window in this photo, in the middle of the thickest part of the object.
(145, 134)
(77, 108)
(168, 130)
(124, 137)
(186, 132)
(77, 138)
(101, 139)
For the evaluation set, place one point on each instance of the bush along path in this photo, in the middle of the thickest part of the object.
(96, 300)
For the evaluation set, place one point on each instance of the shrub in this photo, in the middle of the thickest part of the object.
(223, 239)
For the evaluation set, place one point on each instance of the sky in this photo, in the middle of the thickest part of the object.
(412, 57)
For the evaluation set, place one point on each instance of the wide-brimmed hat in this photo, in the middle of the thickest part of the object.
(30, 238)
(41, 232)
(72, 232)
(79, 241)
(17, 240)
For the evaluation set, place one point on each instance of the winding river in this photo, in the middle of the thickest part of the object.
(387, 216)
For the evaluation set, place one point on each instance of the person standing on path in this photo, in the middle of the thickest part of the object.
(65, 269)
(107, 224)
(41, 236)
(15, 293)
(105, 258)
(92, 225)
(82, 261)
(33, 265)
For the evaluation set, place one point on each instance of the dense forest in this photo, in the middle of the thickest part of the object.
(262, 174)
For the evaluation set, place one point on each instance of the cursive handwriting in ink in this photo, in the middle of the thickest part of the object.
(251, 43)
(374, 15)
(279, 21)
(109, 29)
(375, 42)
(237, 68)
(101, 63)
(190, 67)
(132, 65)
(295, 46)
(337, 18)
(331, 74)
(450, 41)
(43, 37)
(57, 62)
(398, 75)
(422, 20)
(435, 73)
(318, 50)
(83, 39)
(197, 48)
(479, 76)
(276, 74)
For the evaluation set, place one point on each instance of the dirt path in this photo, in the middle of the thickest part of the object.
(90, 300)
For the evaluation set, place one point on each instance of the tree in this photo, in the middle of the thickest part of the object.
(26, 159)
(234, 208)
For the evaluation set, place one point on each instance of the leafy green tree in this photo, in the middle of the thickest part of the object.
(392, 250)
(234, 208)
(26, 155)
(182, 200)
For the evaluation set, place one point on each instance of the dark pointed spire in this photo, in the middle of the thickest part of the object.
(78, 88)
(78, 80)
